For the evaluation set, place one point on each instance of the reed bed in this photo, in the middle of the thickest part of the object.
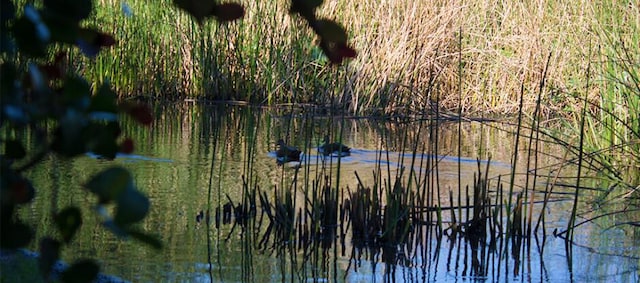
(387, 220)
(528, 59)
(395, 219)
(269, 57)
(412, 57)
(399, 212)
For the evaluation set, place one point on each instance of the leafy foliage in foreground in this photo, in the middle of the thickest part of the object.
(69, 117)
(333, 37)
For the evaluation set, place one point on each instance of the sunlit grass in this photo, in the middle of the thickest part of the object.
(269, 57)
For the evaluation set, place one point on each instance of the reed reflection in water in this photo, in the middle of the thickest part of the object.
(402, 206)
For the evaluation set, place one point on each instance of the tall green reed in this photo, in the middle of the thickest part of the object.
(610, 109)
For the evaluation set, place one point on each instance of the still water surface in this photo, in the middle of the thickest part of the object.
(173, 162)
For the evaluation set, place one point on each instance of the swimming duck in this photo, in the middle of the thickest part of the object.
(287, 153)
(334, 149)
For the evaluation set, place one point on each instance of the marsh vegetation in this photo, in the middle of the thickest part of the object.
(569, 68)
(234, 213)
(494, 139)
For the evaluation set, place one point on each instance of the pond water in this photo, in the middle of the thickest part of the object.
(195, 157)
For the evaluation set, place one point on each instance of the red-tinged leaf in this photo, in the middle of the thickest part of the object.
(337, 52)
(331, 52)
(346, 52)
(126, 146)
(227, 12)
(105, 40)
(21, 191)
(60, 59)
(52, 71)
(335, 58)
(57, 69)
(90, 41)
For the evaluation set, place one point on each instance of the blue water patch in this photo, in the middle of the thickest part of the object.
(130, 157)
(369, 156)
(453, 158)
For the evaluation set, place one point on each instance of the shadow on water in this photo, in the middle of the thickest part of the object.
(401, 207)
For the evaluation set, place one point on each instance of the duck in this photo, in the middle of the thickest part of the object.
(334, 149)
(287, 153)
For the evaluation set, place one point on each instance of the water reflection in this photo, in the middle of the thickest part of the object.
(197, 158)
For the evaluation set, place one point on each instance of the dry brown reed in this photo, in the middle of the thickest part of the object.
(503, 44)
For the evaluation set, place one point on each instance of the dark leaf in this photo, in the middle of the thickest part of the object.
(140, 112)
(331, 31)
(55, 70)
(13, 149)
(36, 80)
(90, 41)
(305, 8)
(15, 114)
(62, 29)
(7, 12)
(102, 138)
(87, 48)
(110, 184)
(105, 40)
(77, 93)
(104, 100)
(14, 234)
(127, 146)
(49, 254)
(75, 10)
(106, 149)
(29, 42)
(198, 9)
(132, 207)
(68, 222)
(150, 240)
(227, 12)
(7, 43)
(7, 82)
(14, 190)
(60, 59)
(82, 271)
(68, 137)
(346, 51)
(337, 52)
(52, 72)
(21, 191)
(112, 129)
